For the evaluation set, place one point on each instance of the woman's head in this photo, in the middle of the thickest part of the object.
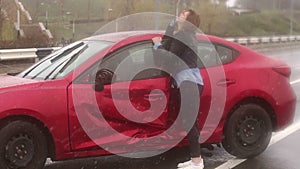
(192, 18)
(183, 14)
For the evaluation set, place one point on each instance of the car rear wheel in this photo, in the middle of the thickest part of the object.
(248, 131)
(22, 145)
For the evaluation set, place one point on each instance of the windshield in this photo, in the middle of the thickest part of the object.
(64, 61)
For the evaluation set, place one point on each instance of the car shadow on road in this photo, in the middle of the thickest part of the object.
(166, 160)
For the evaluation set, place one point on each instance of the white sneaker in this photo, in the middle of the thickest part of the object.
(191, 165)
(185, 164)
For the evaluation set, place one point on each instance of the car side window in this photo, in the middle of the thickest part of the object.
(226, 54)
(215, 54)
(207, 54)
(132, 60)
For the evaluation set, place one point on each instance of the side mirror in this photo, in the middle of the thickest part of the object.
(103, 77)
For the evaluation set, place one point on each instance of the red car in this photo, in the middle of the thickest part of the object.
(52, 108)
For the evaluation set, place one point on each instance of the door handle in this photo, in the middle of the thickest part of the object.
(226, 82)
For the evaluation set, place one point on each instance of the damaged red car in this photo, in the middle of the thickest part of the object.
(57, 109)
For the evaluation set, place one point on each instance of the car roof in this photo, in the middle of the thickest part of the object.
(138, 35)
(119, 36)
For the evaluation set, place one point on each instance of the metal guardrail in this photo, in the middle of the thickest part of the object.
(39, 53)
(30, 53)
(264, 40)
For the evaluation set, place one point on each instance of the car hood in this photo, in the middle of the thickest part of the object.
(7, 82)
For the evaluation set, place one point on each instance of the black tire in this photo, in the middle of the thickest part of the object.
(248, 131)
(22, 146)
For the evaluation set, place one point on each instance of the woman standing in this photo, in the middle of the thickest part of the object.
(180, 40)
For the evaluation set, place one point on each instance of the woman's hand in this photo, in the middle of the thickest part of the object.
(156, 40)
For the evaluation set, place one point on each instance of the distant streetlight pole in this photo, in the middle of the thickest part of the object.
(157, 6)
(110, 10)
(46, 7)
(18, 23)
(117, 24)
(73, 29)
(89, 9)
(47, 19)
(184, 4)
(177, 7)
(292, 17)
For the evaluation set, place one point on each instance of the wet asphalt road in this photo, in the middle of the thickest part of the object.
(282, 155)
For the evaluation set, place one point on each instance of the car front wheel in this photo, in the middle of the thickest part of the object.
(248, 131)
(22, 145)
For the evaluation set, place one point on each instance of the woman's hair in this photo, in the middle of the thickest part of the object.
(193, 20)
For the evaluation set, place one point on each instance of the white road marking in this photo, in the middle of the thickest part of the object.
(276, 138)
(231, 163)
(282, 134)
(295, 82)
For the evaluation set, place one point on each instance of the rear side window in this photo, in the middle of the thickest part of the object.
(215, 54)
(226, 54)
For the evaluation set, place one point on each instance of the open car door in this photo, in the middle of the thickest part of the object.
(130, 102)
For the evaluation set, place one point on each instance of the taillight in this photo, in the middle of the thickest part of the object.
(283, 70)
